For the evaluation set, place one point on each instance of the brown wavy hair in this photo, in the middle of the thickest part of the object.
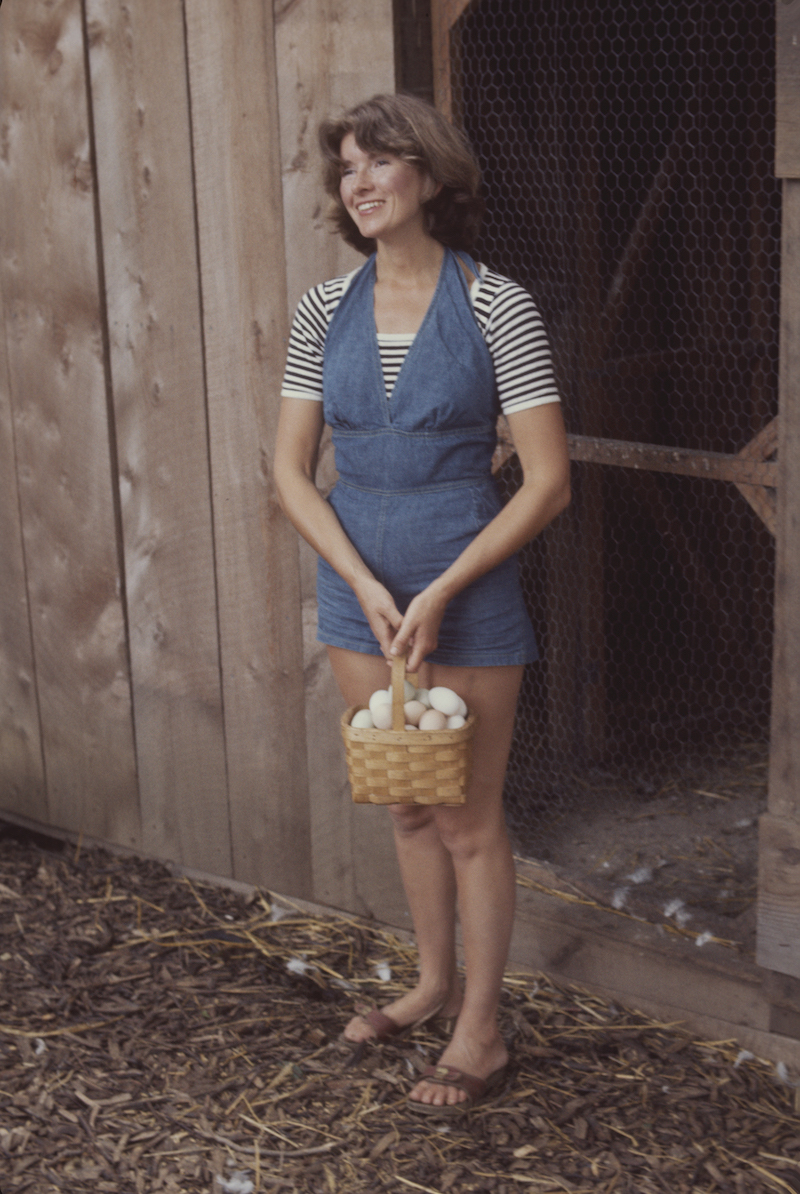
(417, 133)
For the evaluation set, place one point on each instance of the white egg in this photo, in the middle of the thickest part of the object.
(462, 707)
(423, 696)
(456, 722)
(410, 691)
(410, 727)
(381, 697)
(445, 700)
(433, 719)
(413, 711)
(362, 720)
(382, 716)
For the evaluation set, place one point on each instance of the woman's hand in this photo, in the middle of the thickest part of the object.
(418, 632)
(380, 611)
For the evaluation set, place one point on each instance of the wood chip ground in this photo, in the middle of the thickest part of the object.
(158, 1034)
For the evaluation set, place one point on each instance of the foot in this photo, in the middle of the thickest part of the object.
(477, 1060)
(412, 1008)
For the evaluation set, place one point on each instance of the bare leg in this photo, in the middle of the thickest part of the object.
(476, 839)
(427, 871)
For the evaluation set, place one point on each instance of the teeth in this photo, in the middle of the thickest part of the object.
(362, 207)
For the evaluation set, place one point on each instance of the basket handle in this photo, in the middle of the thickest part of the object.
(398, 687)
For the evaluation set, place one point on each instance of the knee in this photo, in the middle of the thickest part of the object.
(467, 836)
(409, 819)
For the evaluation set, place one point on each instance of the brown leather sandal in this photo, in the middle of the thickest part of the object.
(476, 1089)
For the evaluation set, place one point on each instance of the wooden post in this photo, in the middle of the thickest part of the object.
(138, 72)
(779, 844)
(444, 14)
(57, 383)
(232, 84)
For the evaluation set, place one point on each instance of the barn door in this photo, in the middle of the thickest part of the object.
(628, 160)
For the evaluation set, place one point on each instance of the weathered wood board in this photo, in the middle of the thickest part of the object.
(784, 776)
(787, 97)
(330, 55)
(21, 769)
(57, 384)
(779, 895)
(232, 80)
(143, 133)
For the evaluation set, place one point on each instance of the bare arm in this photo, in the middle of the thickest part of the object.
(541, 444)
(297, 448)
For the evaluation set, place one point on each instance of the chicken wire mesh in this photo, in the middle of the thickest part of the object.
(627, 154)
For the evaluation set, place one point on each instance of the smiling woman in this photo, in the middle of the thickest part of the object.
(404, 127)
(382, 193)
(408, 360)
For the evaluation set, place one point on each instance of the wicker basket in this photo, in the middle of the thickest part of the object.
(400, 766)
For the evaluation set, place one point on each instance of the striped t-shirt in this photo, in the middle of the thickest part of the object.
(507, 317)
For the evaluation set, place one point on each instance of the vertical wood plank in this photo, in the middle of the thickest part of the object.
(787, 97)
(444, 14)
(330, 54)
(143, 133)
(779, 895)
(784, 777)
(779, 842)
(58, 397)
(22, 787)
(232, 81)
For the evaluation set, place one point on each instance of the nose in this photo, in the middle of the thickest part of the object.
(362, 178)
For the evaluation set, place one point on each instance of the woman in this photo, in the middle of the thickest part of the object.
(408, 359)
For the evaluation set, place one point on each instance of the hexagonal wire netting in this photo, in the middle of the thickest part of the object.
(627, 152)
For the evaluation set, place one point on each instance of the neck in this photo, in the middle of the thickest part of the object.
(408, 261)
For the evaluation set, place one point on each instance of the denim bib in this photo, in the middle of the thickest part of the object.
(415, 483)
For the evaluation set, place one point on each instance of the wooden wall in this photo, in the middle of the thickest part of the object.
(159, 217)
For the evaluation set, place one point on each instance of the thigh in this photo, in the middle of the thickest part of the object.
(358, 674)
(491, 693)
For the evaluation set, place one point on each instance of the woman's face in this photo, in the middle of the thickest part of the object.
(383, 194)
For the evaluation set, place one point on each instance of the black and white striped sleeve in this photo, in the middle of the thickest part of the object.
(516, 338)
(303, 375)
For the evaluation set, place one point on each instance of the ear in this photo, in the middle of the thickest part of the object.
(432, 188)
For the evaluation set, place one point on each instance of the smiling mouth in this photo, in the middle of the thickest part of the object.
(364, 209)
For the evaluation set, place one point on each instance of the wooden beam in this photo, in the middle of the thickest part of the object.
(787, 97)
(57, 383)
(142, 127)
(784, 773)
(444, 14)
(779, 845)
(687, 462)
(233, 88)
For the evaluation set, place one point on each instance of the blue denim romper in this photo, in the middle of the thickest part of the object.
(415, 483)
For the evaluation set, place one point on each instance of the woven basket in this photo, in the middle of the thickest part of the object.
(400, 766)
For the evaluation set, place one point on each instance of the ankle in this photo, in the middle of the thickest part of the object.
(439, 992)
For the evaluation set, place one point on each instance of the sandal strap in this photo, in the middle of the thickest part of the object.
(448, 1075)
(384, 1025)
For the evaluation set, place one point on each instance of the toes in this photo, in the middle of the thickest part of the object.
(437, 1095)
(358, 1030)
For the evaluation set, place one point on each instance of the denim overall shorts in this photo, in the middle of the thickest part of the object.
(415, 483)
